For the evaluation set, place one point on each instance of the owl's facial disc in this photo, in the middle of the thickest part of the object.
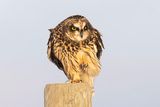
(78, 31)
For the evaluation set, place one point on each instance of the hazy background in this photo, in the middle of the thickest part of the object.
(130, 74)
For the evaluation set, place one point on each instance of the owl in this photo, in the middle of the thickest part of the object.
(75, 47)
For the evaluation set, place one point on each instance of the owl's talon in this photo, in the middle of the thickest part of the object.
(76, 81)
(83, 66)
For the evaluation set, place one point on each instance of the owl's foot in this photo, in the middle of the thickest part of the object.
(76, 81)
(83, 66)
(73, 81)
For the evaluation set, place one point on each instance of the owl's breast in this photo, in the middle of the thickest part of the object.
(86, 54)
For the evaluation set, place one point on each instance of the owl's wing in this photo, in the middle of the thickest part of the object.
(98, 42)
(50, 51)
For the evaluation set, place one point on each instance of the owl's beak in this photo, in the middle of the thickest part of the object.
(81, 34)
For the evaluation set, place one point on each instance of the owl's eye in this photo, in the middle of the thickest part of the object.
(85, 28)
(73, 28)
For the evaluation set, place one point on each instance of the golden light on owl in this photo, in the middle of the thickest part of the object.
(75, 47)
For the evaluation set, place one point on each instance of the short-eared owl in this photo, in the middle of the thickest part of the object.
(75, 46)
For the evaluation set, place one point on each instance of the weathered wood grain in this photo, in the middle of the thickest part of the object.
(67, 95)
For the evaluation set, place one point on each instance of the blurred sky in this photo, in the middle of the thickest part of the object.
(130, 74)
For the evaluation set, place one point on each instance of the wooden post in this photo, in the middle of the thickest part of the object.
(67, 95)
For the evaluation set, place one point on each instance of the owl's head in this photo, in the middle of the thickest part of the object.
(77, 28)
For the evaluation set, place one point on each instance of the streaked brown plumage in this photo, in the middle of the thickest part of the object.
(75, 47)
